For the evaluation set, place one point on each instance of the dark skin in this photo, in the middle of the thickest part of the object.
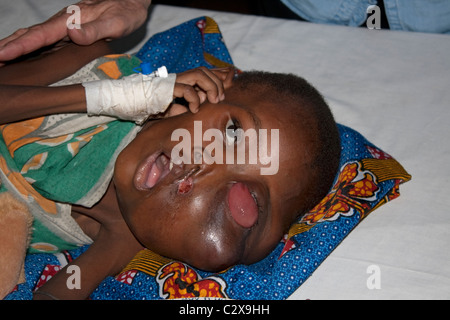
(24, 94)
(195, 227)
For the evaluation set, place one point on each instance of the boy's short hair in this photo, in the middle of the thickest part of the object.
(279, 87)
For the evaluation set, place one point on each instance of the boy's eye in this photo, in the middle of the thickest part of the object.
(233, 132)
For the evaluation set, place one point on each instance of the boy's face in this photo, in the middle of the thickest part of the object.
(190, 212)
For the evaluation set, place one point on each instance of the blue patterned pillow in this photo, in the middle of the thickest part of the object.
(368, 178)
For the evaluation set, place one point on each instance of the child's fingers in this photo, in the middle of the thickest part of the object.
(229, 78)
(226, 75)
(189, 94)
(206, 80)
(175, 109)
(202, 96)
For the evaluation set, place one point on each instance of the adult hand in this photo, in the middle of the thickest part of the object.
(100, 19)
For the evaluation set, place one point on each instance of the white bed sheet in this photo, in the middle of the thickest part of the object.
(393, 87)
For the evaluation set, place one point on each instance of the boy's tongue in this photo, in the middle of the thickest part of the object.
(242, 205)
(159, 169)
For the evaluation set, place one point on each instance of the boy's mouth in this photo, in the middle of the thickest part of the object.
(156, 167)
(152, 170)
(241, 203)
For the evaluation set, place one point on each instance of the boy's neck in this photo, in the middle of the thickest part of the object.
(90, 219)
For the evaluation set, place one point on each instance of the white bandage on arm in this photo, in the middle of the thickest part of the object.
(134, 97)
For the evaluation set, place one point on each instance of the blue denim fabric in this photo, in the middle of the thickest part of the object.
(419, 15)
(408, 15)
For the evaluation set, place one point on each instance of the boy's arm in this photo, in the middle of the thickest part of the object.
(25, 102)
(107, 256)
(23, 86)
(48, 68)
(113, 247)
(113, 98)
(24, 93)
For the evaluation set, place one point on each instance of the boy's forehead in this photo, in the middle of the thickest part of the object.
(252, 99)
(270, 108)
(295, 124)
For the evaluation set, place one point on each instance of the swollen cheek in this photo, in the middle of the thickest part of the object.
(215, 254)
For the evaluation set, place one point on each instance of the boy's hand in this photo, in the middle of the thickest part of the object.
(137, 97)
(198, 85)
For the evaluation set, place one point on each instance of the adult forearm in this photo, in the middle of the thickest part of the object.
(25, 102)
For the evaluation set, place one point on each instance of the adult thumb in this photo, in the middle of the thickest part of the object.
(85, 34)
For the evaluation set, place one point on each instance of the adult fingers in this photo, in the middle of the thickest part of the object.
(15, 35)
(108, 19)
(99, 20)
(90, 32)
(27, 40)
(10, 52)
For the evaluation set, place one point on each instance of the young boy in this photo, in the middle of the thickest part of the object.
(210, 215)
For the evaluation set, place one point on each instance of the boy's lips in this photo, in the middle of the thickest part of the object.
(152, 170)
(156, 167)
